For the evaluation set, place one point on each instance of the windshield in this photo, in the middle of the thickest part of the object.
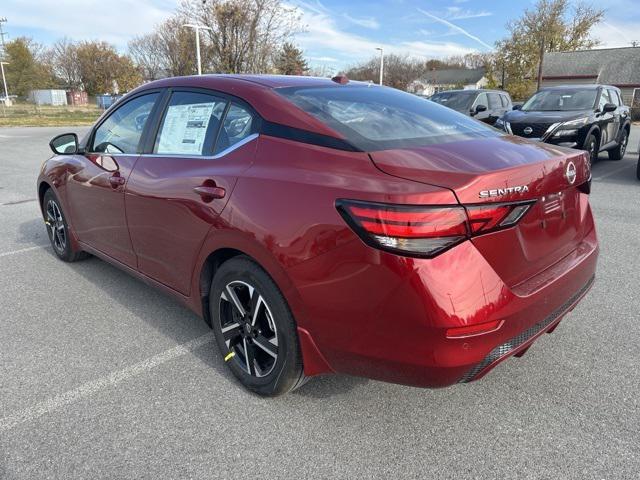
(561, 100)
(460, 101)
(378, 118)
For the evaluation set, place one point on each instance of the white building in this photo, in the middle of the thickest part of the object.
(48, 97)
(439, 80)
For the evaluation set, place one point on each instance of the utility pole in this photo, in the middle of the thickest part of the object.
(540, 64)
(197, 29)
(381, 62)
(2, 34)
(4, 82)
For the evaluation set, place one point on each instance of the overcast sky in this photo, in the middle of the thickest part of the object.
(338, 32)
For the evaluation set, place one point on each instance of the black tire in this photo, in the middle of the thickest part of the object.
(242, 344)
(58, 229)
(638, 168)
(591, 146)
(618, 152)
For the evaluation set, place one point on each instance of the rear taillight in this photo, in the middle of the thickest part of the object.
(425, 231)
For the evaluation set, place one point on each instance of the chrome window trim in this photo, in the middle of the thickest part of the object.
(224, 152)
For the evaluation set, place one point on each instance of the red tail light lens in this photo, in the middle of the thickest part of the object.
(425, 231)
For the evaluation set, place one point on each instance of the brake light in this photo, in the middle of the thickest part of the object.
(425, 231)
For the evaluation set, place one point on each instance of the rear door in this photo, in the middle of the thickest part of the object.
(97, 182)
(180, 186)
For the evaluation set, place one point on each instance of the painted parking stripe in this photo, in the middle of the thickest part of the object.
(111, 380)
(22, 250)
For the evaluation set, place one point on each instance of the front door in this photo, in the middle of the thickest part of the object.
(175, 194)
(97, 182)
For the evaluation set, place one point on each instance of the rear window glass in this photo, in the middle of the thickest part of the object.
(377, 118)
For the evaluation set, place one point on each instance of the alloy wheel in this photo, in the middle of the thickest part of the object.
(623, 145)
(248, 328)
(55, 226)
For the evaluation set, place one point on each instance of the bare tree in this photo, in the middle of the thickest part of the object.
(147, 53)
(175, 45)
(399, 70)
(245, 34)
(63, 57)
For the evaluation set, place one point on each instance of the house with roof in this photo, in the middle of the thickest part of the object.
(439, 80)
(619, 67)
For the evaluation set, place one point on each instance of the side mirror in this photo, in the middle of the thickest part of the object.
(478, 109)
(517, 107)
(65, 144)
(609, 107)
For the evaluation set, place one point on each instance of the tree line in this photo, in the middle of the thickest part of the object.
(255, 36)
(242, 36)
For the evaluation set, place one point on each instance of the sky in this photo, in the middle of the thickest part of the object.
(336, 33)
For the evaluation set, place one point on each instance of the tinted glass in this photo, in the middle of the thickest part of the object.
(238, 124)
(565, 99)
(494, 100)
(375, 118)
(460, 101)
(481, 100)
(505, 100)
(613, 95)
(604, 99)
(190, 124)
(121, 132)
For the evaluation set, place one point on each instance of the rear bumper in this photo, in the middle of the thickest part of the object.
(385, 317)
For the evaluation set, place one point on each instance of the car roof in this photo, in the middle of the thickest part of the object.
(474, 90)
(584, 86)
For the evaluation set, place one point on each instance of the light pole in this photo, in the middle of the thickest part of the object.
(4, 82)
(197, 28)
(381, 62)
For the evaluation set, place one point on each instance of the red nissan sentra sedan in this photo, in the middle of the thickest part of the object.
(329, 226)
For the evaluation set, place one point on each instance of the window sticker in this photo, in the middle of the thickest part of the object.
(185, 128)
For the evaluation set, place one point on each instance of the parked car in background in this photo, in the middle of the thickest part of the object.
(324, 226)
(588, 117)
(484, 105)
(638, 168)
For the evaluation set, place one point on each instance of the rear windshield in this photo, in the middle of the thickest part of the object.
(460, 101)
(379, 118)
(562, 100)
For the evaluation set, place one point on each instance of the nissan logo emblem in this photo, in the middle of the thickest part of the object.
(570, 173)
(528, 130)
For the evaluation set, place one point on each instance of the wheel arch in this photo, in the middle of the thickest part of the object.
(43, 186)
(216, 251)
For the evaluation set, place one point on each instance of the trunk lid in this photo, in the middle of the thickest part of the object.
(508, 169)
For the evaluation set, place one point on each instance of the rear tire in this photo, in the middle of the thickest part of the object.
(591, 146)
(254, 328)
(58, 229)
(618, 152)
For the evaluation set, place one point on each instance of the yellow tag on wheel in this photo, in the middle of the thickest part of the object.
(229, 356)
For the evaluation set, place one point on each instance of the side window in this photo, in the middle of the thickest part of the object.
(121, 131)
(481, 100)
(238, 124)
(505, 101)
(604, 98)
(615, 99)
(190, 124)
(494, 100)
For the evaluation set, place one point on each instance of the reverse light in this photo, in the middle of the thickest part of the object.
(426, 231)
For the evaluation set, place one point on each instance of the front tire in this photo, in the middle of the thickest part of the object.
(618, 152)
(58, 229)
(254, 328)
(591, 146)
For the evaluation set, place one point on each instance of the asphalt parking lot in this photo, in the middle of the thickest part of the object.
(102, 376)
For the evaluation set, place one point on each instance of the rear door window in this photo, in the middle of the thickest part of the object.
(190, 124)
(239, 123)
(494, 101)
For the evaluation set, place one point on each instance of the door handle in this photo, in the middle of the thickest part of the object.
(116, 180)
(209, 192)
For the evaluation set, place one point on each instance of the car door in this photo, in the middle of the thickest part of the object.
(179, 188)
(616, 124)
(606, 120)
(96, 186)
(484, 116)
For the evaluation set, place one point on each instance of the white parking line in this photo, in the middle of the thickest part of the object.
(94, 386)
(22, 250)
